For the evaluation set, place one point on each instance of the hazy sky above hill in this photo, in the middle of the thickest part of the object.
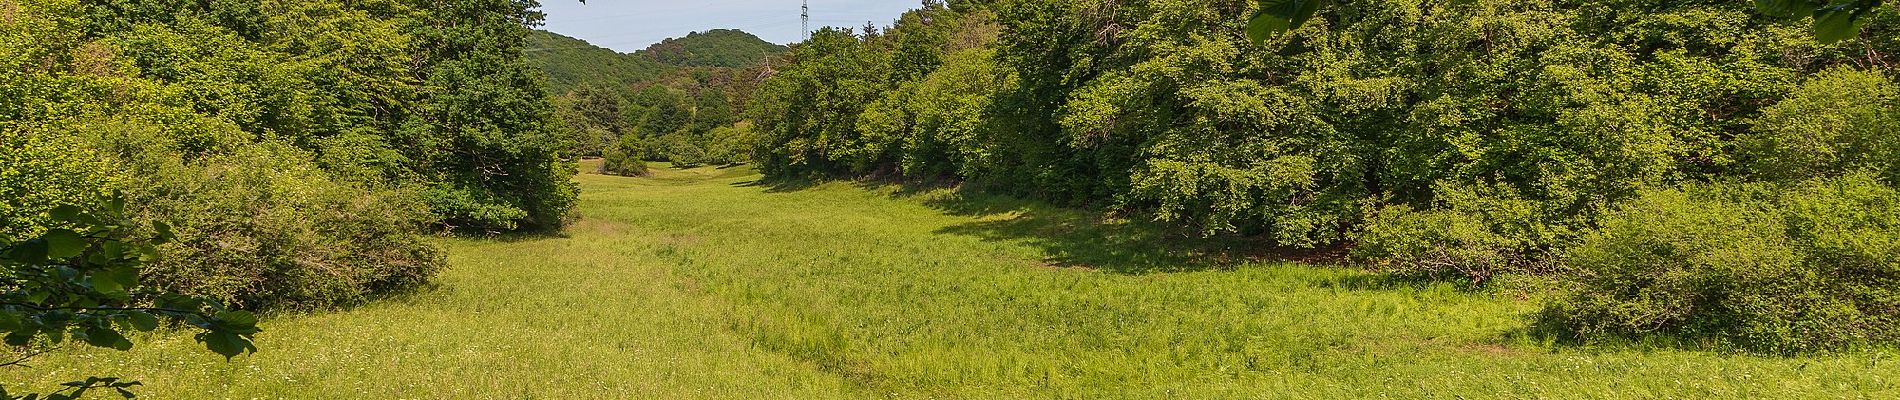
(628, 25)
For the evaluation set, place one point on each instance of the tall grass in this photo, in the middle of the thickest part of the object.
(704, 283)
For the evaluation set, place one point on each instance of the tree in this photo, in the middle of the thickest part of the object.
(1833, 20)
(483, 132)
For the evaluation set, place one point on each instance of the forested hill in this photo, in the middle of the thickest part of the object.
(714, 48)
(571, 62)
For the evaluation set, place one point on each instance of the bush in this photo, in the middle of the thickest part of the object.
(1474, 235)
(39, 172)
(624, 158)
(1840, 121)
(263, 227)
(730, 145)
(1769, 267)
(682, 152)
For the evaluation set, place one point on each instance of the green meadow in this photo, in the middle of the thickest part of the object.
(707, 284)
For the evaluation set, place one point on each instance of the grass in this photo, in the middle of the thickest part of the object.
(704, 283)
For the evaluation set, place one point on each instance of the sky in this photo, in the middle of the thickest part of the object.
(628, 25)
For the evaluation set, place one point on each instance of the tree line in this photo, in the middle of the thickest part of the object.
(1693, 169)
(299, 148)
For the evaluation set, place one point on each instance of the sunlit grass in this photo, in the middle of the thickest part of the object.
(705, 284)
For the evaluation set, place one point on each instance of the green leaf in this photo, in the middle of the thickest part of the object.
(164, 233)
(1839, 22)
(116, 205)
(226, 343)
(148, 253)
(19, 338)
(10, 321)
(115, 282)
(1280, 16)
(106, 337)
(142, 321)
(31, 252)
(63, 244)
(66, 213)
(238, 318)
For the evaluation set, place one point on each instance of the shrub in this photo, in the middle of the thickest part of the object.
(1768, 267)
(682, 152)
(730, 145)
(39, 172)
(1840, 121)
(263, 227)
(1474, 235)
(623, 158)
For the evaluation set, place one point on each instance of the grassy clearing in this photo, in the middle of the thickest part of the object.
(704, 284)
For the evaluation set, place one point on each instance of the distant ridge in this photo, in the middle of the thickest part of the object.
(715, 48)
(571, 62)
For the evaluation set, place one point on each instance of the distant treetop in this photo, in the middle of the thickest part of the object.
(714, 48)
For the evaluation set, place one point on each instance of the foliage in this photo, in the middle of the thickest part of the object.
(298, 148)
(1776, 268)
(624, 158)
(1458, 140)
(699, 84)
(730, 145)
(939, 125)
(593, 118)
(81, 280)
(483, 131)
(1165, 109)
(1475, 234)
(807, 113)
(1833, 20)
(263, 227)
(727, 48)
(39, 172)
(572, 64)
(1840, 121)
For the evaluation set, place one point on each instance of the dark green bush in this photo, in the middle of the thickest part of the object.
(624, 159)
(1768, 267)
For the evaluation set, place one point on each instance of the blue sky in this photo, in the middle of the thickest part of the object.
(628, 25)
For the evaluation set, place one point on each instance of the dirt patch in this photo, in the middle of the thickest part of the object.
(1489, 349)
(1071, 265)
(604, 227)
(9, 12)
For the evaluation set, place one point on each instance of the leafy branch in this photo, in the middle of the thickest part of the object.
(81, 282)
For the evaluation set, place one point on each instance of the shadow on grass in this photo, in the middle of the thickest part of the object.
(1077, 238)
(779, 185)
